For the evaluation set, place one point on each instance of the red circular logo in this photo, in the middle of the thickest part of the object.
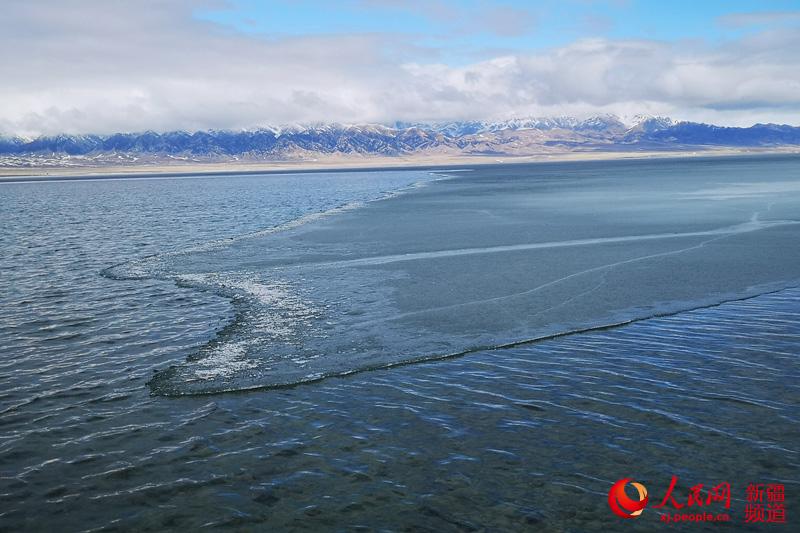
(624, 506)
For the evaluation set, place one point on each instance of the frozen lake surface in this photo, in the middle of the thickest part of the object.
(488, 258)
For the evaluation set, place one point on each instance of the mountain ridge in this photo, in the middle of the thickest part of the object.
(519, 136)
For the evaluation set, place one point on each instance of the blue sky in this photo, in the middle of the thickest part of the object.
(94, 66)
(456, 30)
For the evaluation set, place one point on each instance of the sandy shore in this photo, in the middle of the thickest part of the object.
(176, 168)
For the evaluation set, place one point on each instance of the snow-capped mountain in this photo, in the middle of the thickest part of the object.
(518, 136)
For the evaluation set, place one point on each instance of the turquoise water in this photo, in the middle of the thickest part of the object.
(525, 438)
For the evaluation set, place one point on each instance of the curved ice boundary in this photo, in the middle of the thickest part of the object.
(267, 310)
(500, 257)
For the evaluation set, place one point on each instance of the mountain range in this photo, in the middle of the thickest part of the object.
(515, 137)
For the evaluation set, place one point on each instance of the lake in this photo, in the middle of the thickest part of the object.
(485, 348)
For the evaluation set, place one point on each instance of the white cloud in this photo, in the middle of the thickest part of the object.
(98, 66)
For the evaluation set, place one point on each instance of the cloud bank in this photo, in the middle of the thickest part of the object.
(102, 66)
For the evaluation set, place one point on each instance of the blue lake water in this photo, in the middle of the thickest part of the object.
(129, 306)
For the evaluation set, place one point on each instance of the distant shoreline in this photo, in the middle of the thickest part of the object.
(342, 164)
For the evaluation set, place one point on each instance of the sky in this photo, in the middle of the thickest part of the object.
(103, 66)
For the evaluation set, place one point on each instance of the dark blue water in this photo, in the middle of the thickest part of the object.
(524, 438)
